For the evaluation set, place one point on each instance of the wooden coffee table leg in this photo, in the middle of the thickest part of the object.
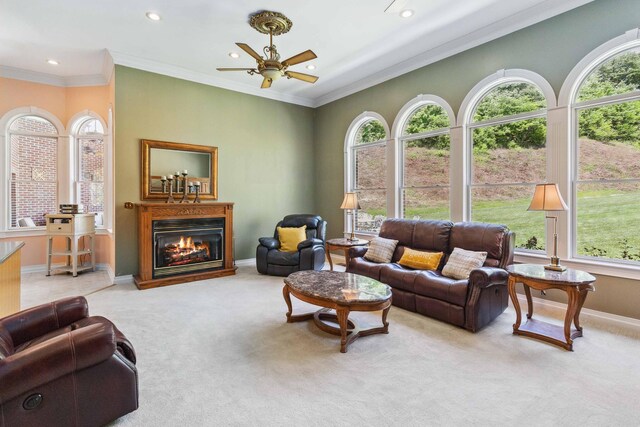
(572, 306)
(343, 317)
(385, 324)
(514, 301)
(527, 292)
(287, 299)
(576, 318)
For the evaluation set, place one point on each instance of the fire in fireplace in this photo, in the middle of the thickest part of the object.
(187, 245)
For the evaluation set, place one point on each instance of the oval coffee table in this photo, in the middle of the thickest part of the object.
(342, 292)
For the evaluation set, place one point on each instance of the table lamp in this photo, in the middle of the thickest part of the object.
(547, 198)
(350, 203)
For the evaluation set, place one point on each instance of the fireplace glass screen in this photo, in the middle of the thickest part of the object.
(187, 245)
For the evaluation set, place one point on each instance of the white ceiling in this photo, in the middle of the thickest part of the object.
(358, 45)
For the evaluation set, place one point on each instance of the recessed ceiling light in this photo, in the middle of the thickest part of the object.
(311, 67)
(234, 55)
(52, 62)
(406, 13)
(153, 16)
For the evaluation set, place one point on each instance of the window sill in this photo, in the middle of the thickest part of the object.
(40, 231)
(624, 271)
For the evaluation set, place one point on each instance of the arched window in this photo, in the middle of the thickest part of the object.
(424, 144)
(33, 170)
(606, 142)
(367, 169)
(506, 133)
(90, 160)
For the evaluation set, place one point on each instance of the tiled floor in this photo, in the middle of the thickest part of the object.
(37, 288)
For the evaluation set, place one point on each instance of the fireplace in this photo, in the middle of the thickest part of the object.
(180, 243)
(187, 245)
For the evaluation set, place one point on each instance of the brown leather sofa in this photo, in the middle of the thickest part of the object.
(60, 367)
(471, 303)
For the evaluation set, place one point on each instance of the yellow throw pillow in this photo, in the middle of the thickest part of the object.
(290, 237)
(420, 260)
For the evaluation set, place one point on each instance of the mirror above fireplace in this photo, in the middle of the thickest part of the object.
(162, 159)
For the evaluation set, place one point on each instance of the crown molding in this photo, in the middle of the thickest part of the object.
(510, 24)
(126, 60)
(50, 79)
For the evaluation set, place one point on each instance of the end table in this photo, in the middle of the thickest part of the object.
(575, 283)
(344, 244)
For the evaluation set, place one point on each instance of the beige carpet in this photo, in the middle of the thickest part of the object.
(219, 352)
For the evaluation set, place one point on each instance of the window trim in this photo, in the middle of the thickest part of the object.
(349, 159)
(568, 97)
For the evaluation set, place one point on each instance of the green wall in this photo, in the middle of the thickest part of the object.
(265, 152)
(551, 48)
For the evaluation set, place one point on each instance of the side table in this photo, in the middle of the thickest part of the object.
(575, 283)
(344, 244)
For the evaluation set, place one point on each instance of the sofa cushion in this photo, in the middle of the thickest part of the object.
(365, 268)
(381, 249)
(398, 229)
(461, 262)
(479, 237)
(398, 277)
(432, 235)
(434, 285)
(283, 258)
(420, 260)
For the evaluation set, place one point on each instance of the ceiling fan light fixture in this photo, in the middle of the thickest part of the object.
(407, 13)
(271, 73)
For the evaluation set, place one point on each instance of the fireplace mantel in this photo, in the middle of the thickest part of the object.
(149, 212)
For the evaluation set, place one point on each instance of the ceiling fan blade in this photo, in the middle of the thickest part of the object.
(266, 83)
(307, 55)
(235, 69)
(302, 76)
(250, 51)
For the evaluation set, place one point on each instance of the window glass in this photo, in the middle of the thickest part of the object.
(91, 127)
(370, 131)
(33, 170)
(33, 124)
(508, 99)
(427, 118)
(616, 76)
(91, 154)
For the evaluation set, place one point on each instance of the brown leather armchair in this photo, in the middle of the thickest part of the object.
(60, 367)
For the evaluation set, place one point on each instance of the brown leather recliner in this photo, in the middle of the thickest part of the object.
(471, 303)
(60, 367)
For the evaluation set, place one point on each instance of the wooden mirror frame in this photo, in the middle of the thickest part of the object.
(147, 145)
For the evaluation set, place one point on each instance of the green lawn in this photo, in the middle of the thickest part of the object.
(609, 221)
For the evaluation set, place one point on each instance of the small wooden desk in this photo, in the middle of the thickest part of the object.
(344, 244)
(575, 283)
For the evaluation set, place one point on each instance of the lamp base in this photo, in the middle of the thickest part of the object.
(555, 266)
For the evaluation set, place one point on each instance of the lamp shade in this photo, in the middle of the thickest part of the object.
(547, 198)
(350, 201)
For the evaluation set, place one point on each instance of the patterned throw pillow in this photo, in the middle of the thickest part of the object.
(461, 262)
(420, 260)
(380, 249)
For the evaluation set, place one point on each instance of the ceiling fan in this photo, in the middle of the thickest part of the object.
(270, 67)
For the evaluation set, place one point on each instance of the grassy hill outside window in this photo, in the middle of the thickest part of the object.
(606, 174)
(507, 136)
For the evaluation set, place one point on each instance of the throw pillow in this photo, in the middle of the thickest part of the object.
(290, 237)
(380, 249)
(420, 260)
(461, 262)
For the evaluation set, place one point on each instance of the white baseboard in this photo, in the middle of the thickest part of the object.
(246, 262)
(123, 280)
(42, 268)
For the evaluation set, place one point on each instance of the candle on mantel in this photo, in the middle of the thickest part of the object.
(184, 172)
(177, 173)
(163, 178)
(197, 183)
(170, 177)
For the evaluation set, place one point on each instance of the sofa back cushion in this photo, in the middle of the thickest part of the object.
(427, 235)
(479, 237)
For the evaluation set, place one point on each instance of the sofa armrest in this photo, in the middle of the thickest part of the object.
(269, 242)
(357, 251)
(37, 321)
(55, 358)
(485, 277)
(310, 242)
